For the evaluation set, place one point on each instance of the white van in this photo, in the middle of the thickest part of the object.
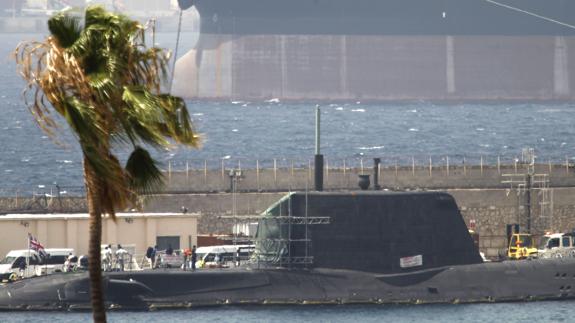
(222, 256)
(56, 259)
(14, 264)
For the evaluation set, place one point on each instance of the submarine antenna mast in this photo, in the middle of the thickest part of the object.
(318, 159)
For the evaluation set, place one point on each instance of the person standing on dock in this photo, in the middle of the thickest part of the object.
(120, 253)
(154, 255)
(107, 258)
(187, 258)
(194, 258)
(150, 255)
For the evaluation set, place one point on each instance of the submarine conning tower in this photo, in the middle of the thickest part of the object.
(381, 232)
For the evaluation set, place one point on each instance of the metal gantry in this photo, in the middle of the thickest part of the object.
(529, 182)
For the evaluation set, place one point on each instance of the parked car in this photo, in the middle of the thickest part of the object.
(222, 256)
(28, 263)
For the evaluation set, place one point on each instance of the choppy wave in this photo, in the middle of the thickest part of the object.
(371, 148)
(549, 311)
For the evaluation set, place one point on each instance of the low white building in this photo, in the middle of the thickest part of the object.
(142, 230)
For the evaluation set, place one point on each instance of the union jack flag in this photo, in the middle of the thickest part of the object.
(34, 244)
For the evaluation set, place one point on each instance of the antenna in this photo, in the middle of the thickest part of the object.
(318, 159)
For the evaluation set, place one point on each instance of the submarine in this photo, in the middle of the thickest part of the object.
(365, 247)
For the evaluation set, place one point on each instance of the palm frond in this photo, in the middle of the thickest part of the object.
(65, 28)
(177, 120)
(142, 117)
(102, 84)
(82, 119)
(116, 192)
(144, 175)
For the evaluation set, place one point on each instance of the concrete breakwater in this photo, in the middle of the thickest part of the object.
(489, 196)
(417, 175)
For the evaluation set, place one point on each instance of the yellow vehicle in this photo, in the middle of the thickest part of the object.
(521, 246)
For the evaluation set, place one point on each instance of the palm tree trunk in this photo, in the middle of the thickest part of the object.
(94, 252)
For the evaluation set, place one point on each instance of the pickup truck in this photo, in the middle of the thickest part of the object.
(557, 245)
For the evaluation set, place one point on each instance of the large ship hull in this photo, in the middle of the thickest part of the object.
(382, 50)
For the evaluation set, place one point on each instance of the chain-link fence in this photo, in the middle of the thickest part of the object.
(282, 174)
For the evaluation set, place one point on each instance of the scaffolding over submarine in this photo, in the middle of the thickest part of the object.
(328, 248)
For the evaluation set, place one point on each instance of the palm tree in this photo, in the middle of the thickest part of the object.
(106, 84)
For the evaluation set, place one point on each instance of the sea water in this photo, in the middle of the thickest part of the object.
(561, 311)
(272, 129)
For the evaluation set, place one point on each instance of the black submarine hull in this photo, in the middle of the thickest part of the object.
(328, 248)
(148, 290)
